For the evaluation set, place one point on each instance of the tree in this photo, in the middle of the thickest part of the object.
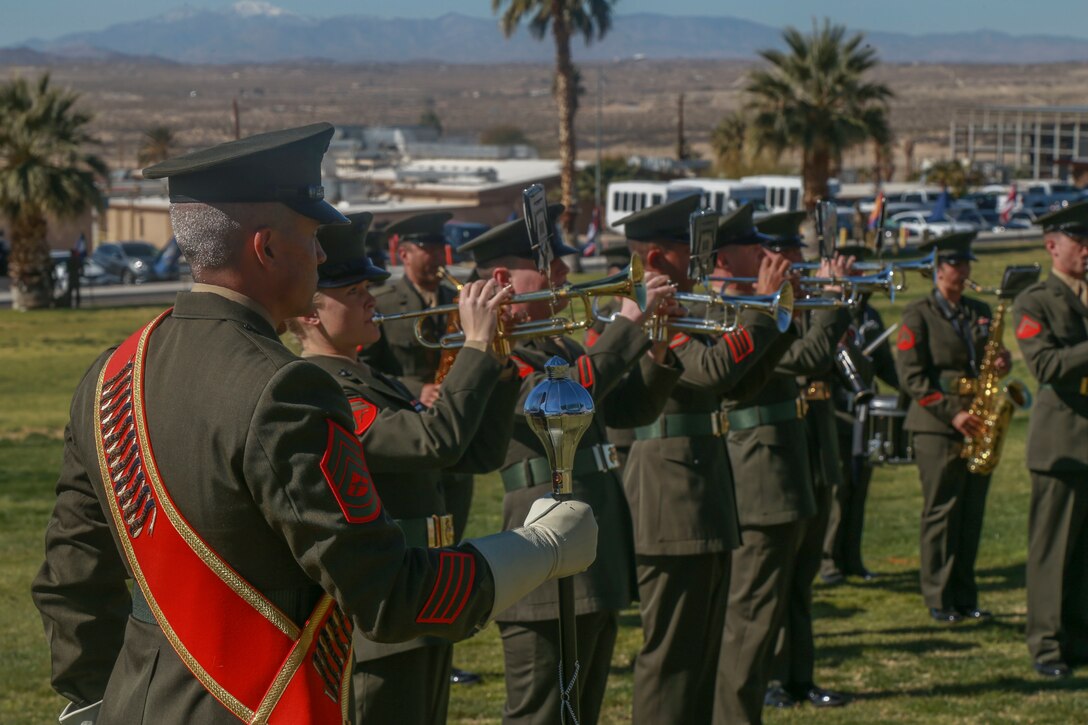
(159, 144)
(815, 99)
(952, 176)
(44, 171)
(591, 18)
(729, 140)
(613, 168)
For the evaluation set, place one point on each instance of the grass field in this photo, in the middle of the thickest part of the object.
(874, 640)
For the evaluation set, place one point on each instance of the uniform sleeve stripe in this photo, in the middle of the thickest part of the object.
(585, 371)
(934, 397)
(454, 594)
(728, 337)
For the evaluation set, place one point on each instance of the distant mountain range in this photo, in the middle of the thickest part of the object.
(257, 32)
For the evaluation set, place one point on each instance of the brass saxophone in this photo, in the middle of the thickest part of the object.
(993, 403)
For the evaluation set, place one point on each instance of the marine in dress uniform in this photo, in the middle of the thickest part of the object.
(222, 473)
(1051, 327)
(842, 543)
(421, 247)
(768, 455)
(629, 388)
(809, 359)
(940, 344)
(467, 429)
(617, 257)
(680, 490)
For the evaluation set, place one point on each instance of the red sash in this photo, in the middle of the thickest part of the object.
(247, 653)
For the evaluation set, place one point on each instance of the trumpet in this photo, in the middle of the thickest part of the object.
(779, 305)
(855, 286)
(627, 283)
(925, 265)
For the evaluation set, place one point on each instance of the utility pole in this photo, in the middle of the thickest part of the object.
(237, 119)
(681, 146)
(597, 176)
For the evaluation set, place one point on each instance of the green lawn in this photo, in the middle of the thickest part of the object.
(874, 640)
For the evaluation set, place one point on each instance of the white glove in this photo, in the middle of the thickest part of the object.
(559, 539)
(83, 716)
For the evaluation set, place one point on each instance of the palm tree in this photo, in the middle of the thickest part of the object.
(158, 145)
(729, 139)
(815, 98)
(43, 171)
(591, 18)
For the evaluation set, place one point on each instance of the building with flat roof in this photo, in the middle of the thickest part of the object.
(1037, 142)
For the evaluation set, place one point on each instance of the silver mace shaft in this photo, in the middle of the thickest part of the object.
(559, 411)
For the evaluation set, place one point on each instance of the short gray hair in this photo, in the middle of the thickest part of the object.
(210, 235)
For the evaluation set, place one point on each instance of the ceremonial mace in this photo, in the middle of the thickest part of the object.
(559, 411)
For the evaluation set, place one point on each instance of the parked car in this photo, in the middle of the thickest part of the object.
(917, 225)
(458, 233)
(92, 275)
(170, 264)
(969, 215)
(131, 262)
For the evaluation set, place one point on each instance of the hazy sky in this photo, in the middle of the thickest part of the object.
(21, 19)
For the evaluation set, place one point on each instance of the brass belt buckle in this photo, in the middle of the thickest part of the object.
(433, 532)
(447, 530)
(719, 423)
(1084, 386)
(606, 457)
(802, 407)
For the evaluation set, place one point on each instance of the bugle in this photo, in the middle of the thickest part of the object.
(627, 283)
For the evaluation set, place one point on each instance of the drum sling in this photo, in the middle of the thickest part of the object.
(246, 652)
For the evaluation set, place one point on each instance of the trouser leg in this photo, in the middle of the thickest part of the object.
(531, 654)
(1057, 536)
(852, 531)
(758, 588)
(411, 686)
(943, 475)
(972, 505)
(681, 602)
(795, 650)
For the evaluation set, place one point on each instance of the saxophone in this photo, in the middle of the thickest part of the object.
(993, 403)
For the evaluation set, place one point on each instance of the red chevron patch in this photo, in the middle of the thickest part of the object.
(452, 586)
(931, 399)
(906, 339)
(524, 368)
(348, 477)
(740, 344)
(1027, 328)
(364, 411)
(678, 339)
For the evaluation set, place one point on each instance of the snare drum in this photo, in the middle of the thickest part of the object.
(885, 441)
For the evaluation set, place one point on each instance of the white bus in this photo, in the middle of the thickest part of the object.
(786, 193)
(627, 197)
(721, 195)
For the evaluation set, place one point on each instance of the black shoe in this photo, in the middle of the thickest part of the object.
(979, 615)
(832, 578)
(776, 696)
(464, 677)
(817, 696)
(864, 574)
(1057, 670)
(947, 616)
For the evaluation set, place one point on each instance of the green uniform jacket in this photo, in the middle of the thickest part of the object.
(409, 445)
(679, 487)
(770, 462)
(932, 357)
(628, 389)
(239, 427)
(1051, 326)
(811, 359)
(399, 352)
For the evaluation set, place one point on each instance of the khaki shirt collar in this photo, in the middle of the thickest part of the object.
(1079, 286)
(238, 297)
